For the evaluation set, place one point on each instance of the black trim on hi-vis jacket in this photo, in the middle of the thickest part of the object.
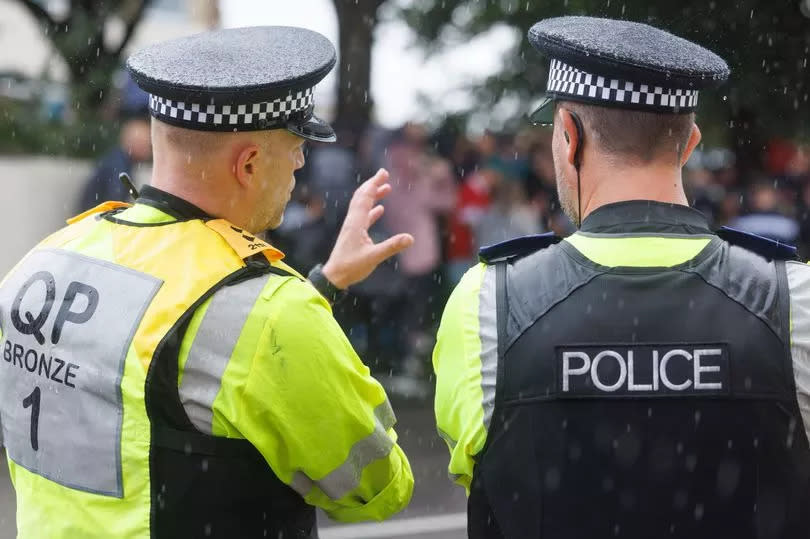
(643, 402)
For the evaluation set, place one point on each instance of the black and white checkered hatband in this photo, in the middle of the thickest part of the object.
(234, 117)
(568, 82)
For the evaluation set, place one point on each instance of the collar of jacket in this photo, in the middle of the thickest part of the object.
(640, 216)
(170, 204)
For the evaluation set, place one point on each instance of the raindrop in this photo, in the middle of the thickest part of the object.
(552, 479)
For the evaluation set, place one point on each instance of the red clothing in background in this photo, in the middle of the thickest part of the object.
(473, 201)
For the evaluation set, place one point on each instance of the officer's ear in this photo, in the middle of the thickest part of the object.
(245, 167)
(691, 144)
(572, 132)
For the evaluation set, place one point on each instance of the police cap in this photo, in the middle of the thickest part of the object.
(622, 64)
(239, 79)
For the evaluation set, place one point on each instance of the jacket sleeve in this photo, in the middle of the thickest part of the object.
(310, 406)
(463, 385)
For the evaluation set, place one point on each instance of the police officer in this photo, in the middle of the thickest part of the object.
(645, 377)
(164, 373)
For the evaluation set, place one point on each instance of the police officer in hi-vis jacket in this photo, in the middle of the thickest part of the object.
(164, 374)
(647, 377)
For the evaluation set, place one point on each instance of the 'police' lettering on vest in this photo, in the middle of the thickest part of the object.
(642, 370)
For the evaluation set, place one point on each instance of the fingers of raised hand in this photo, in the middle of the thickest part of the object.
(375, 214)
(391, 246)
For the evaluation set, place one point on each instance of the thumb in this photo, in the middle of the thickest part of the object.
(393, 245)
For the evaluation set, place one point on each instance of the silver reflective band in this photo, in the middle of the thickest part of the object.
(488, 335)
(798, 277)
(346, 477)
(447, 438)
(213, 347)
(68, 321)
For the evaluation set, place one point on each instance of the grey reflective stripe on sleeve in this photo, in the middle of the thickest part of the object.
(799, 284)
(212, 349)
(447, 438)
(488, 335)
(346, 477)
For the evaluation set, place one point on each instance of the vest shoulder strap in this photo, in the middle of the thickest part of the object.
(765, 247)
(516, 248)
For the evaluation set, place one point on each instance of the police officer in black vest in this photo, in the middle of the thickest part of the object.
(646, 377)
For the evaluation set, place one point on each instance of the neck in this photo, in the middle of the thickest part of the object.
(656, 181)
(195, 184)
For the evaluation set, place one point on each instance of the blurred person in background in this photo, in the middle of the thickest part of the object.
(423, 191)
(133, 147)
(766, 214)
(510, 214)
(474, 199)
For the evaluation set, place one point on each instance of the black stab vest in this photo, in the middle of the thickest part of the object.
(209, 486)
(718, 450)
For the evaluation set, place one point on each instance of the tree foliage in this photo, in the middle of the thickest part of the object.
(766, 44)
(81, 37)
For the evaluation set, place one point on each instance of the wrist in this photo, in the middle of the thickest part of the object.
(334, 276)
(325, 286)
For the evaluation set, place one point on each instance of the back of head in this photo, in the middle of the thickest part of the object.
(635, 136)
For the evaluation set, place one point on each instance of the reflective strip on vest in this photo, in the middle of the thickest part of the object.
(59, 379)
(212, 348)
(488, 334)
(346, 477)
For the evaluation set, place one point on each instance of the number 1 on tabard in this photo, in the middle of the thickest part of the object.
(32, 401)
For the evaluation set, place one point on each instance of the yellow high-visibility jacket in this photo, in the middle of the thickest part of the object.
(204, 388)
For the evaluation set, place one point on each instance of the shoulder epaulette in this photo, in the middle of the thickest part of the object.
(766, 247)
(516, 247)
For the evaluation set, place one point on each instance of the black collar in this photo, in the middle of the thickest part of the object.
(639, 216)
(168, 203)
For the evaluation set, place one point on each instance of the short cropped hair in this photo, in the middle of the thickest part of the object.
(635, 134)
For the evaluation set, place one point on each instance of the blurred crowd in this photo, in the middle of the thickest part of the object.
(455, 193)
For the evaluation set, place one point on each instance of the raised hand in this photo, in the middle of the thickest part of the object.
(355, 254)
